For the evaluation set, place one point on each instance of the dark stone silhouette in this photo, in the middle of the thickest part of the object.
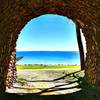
(14, 14)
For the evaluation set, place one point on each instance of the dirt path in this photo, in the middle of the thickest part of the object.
(44, 82)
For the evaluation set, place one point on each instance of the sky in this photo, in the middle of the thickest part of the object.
(48, 33)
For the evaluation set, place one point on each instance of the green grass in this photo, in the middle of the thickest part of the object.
(22, 67)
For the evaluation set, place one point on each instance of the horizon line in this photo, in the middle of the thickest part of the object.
(47, 50)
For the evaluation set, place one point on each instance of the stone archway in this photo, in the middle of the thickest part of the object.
(15, 14)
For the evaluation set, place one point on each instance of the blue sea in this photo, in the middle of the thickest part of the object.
(49, 57)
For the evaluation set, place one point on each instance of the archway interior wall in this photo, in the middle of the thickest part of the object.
(20, 12)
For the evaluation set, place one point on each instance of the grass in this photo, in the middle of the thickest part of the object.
(22, 67)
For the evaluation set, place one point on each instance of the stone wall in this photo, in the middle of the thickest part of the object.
(14, 14)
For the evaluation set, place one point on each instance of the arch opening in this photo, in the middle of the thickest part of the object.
(65, 27)
(58, 50)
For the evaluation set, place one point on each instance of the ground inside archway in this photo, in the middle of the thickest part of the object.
(46, 82)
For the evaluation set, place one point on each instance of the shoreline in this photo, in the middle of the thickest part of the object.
(48, 67)
(47, 64)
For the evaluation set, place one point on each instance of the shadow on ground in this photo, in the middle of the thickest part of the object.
(67, 83)
(80, 95)
(86, 93)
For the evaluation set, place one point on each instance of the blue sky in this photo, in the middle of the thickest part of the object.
(48, 33)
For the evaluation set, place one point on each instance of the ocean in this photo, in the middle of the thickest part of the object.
(49, 57)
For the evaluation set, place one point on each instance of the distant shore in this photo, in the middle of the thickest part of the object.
(47, 64)
(43, 66)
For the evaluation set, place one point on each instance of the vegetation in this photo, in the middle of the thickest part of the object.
(21, 67)
(18, 58)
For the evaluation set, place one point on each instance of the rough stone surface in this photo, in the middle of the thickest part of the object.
(14, 14)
